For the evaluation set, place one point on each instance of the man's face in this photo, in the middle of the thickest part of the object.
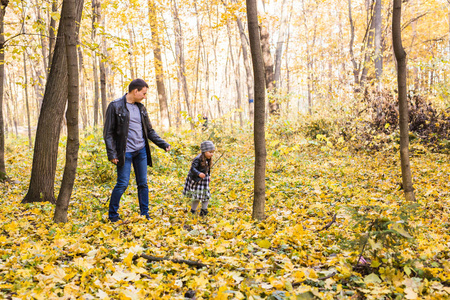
(140, 95)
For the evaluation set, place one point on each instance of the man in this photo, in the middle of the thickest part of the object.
(126, 133)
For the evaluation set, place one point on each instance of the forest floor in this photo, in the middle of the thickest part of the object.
(326, 207)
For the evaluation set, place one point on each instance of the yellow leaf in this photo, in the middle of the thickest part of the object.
(129, 259)
(299, 276)
(264, 244)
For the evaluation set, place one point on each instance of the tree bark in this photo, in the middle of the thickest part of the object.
(94, 60)
(70, 36)
(268, 65)
(3, 176)
(259, 120)
(43, 170)
(180, 60)
(280, 43)
(369, 45)
(101, 62)
(131, 52)
(51, 38)
(82, 76)
(27, 103)
(157, 60)
(378, 54)
(235, 68)
(400, 56)
(248, 71)
(352, 39)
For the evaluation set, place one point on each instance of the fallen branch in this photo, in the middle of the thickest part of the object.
(295, 284)
(329, 224)
(190, 263)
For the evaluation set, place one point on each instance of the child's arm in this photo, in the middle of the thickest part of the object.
(196, 174)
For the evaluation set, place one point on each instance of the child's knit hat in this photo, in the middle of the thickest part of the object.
(207, 146)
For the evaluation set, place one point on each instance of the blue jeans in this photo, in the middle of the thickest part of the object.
(139, 161)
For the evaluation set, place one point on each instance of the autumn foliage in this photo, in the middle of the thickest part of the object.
(337, 226)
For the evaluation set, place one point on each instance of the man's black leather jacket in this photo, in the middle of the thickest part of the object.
(115, 131)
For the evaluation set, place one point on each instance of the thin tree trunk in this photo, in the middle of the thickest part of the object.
(400, 56)
(27, 103)
(352, 39)
(179, 49)
(235, 69)
(268, 64)
(3, 175)
(94, 61)
(369, 45)
(37, 6)
(51, 33)
(43, 170)
(157, 60)
(101, 62)
(378, 54)
(131, 52)
(279, 49)
(248, 71)
(82, 75)
(62, 203)
(259, 121)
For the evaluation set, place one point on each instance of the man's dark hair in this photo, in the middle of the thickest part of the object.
(137, 84)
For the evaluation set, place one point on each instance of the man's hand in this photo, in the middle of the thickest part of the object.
(168, 149)
(114, 161)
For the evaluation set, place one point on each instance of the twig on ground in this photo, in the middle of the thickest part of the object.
(190, 263)
(295, 284)
(329, 224)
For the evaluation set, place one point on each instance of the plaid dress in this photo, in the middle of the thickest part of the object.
(197, 190)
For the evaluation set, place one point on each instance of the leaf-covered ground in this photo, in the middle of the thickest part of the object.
(326, 207)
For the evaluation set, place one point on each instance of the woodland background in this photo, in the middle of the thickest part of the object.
(337, 225)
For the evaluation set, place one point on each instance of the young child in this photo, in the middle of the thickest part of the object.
(196, 186)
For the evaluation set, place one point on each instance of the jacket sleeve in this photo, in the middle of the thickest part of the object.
(152, 135)
(108, 133)
(194, 171)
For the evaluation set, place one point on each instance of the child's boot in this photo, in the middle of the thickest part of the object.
(193, 211)
(203, 212)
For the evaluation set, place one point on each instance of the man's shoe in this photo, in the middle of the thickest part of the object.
(115, 220)
(148, 217)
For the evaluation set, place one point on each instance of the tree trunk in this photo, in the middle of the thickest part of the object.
(179, 49)
(27, 103)
(82, 75)
(42, 33)
(51, 35)
(235, 68)
(94, 61)
(157, 60)
(279, 49)
(49, 124)
(248, 71)
(3, 176)
(259, 134)
(62, 204)
(352, 39)
(400, 56)
(131, 52)
(378, 54)
(101, 63)
(369, 45)
(268, 65)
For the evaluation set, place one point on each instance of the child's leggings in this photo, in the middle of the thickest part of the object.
(195, 204)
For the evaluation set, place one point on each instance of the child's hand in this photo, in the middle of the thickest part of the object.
(201, 175)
